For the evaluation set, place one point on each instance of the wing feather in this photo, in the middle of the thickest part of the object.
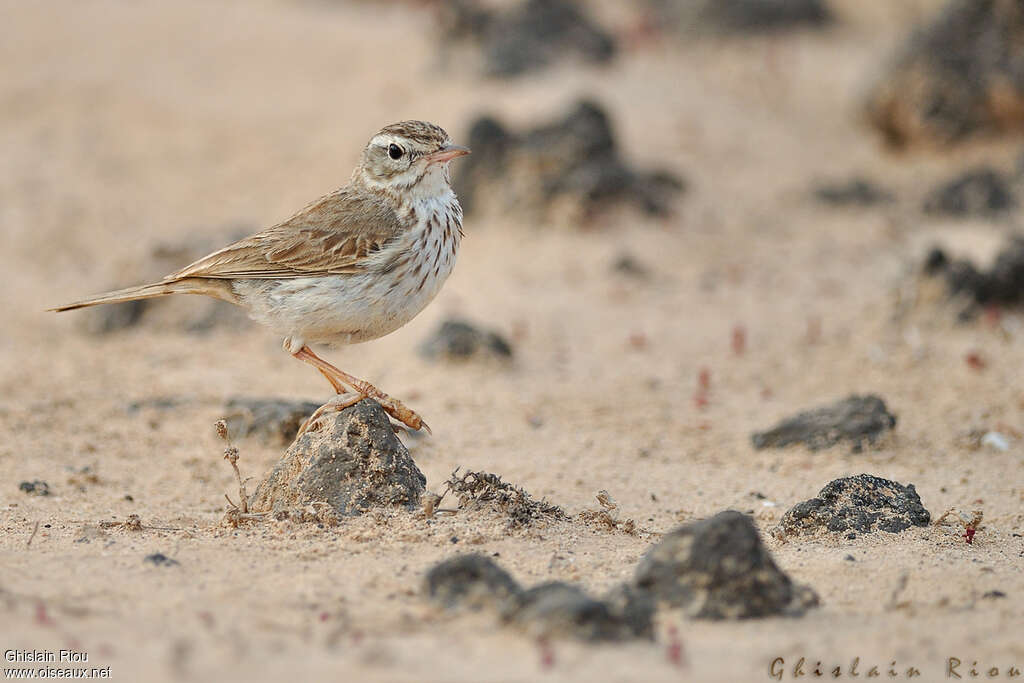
(332, 236)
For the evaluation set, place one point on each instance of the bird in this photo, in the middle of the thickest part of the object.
(350, 267)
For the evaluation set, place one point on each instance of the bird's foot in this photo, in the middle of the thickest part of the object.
(335, 404)
(393, 407)
(400, 412)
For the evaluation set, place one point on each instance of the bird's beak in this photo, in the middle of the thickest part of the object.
(447, 153)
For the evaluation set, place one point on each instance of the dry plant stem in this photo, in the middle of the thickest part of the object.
(231, 455)
(35, 530)
(134, 524)
(901, 585)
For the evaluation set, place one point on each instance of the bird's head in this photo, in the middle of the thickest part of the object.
(409, 157)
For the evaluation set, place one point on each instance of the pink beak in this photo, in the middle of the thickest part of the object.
(447, 153)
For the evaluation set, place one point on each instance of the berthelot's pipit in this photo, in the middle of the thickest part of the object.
(354, 265)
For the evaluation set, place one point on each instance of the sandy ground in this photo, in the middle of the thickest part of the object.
(127, 125)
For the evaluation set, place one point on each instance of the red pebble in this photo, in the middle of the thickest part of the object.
(975, 361)
(993, 314)
(969, 535)
(813, 335)
(700, 397)
(547, 654)
(42, 618)
(674, 650)
(739, 340)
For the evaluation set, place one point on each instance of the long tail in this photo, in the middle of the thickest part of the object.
(219, 289)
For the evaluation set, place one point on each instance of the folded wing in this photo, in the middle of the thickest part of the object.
(332, 236)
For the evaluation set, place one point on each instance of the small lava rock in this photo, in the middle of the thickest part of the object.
(740, 16)
(863, 504)
(470, 581)
(718, 568)
(633, 607)
(160, 560)
(1002, 284)
(100, 320)
(272, 420)
(856, 418)
(559, 609)
(35, 488)
(853, 192)
(626, 264)
(460, 340)
(961, 74)
(351, 463)
(574, 158)
(980, 192)
(528, 36)
(555, 609)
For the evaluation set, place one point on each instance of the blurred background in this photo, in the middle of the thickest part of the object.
(825, 189)
(656, 188)
(685, 221)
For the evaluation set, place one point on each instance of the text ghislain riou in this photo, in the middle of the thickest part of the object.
(47, 656)
(954, 668)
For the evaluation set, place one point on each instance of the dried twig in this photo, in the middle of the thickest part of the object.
(35, 530)
(483, 489)
(134, 523)
(231, 455)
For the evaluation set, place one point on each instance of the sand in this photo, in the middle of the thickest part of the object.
(129, 125)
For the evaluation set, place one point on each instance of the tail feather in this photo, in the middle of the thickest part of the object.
(219, 290)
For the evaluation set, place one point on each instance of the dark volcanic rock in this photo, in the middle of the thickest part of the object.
(160, 560)
(962, 74)
(459, 340)
(272, 420)
(740, 16)
(35, 488)
(853, 192)
(628, 265)
(527, 37)
(857, 419)
(472, 581)
(718, 568)
(352, 463)
(635, 608)
(861, 504)
(555, 609)
(1002, 284)
(100, 320)
(559, 609)
(574, 158)
(981, 192)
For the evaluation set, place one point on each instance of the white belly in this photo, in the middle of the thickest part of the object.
(349, 309)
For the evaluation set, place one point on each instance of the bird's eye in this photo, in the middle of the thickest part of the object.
(394, 151)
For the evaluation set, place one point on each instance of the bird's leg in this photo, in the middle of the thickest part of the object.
(363, 389)
(339, 388)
